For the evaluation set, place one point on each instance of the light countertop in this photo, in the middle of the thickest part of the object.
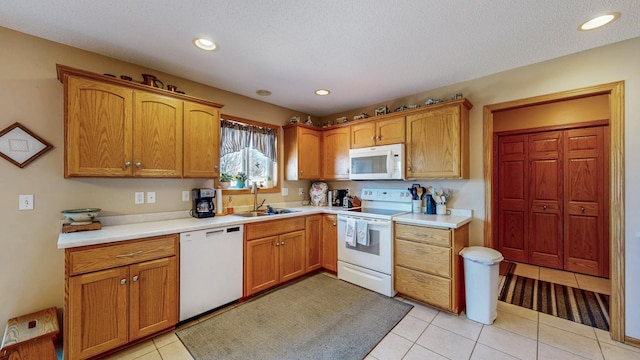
(123, 228)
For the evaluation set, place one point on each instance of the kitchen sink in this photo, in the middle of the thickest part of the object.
(266, 213)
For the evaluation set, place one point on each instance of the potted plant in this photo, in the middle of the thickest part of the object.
(225, 180)
(269, 182)
(241, 179)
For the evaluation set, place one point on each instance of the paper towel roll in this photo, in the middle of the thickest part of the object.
(219, 209)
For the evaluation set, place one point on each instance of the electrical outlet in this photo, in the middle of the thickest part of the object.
(285, 191)
(151, 197)
(185, 195)
(301, 191)
(25, 202)
(139, 197)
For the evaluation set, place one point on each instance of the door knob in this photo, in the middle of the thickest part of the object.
(544, 207)
(582, 209)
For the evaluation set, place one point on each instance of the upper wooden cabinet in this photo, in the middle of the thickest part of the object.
(335, 150)
(437, 144)
(302, 152)
(201, 158)
(379, 132)
(121, 128)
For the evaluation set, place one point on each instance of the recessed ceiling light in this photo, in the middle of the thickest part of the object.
(204, 44)
(323, 92)
(263, 92)
(599, 21)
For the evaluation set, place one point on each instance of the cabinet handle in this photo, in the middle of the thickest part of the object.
(123, 281)
(277, 244)
(544, 207)
(301, 171)
(138, 164)
(334, 224)
(130, 254)
(127, 164)
(282, 243)
(135, 278)
(379, 137)
(582, 209)
(373, 138)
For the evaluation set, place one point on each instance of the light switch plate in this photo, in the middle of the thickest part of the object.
(151, 197)
(285, 191)
(25, 202)
(185, 195)
(139, 197)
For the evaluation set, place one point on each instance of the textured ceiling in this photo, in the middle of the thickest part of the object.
(364, 51)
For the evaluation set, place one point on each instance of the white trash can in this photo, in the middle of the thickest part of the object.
(481, 282)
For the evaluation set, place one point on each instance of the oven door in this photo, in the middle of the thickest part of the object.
(378, 255)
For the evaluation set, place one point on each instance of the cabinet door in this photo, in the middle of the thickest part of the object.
(309, 154)
(201, 139)
(390, 131)
(157, 131)
(153, 297)
(261, 264)
(437, 144)
(292, 258)
(98, 312)
(335, 145)
(330, 242)
(98, 129)
(313, 231)
(363, 134)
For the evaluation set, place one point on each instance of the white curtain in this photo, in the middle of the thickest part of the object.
(235, 136)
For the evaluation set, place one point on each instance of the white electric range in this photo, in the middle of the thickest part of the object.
(365, 239)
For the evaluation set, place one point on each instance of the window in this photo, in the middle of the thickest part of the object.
(250, 148)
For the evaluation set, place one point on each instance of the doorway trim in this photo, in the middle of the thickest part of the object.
(615, 90)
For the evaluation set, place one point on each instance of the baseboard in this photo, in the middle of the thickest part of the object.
(632, 341)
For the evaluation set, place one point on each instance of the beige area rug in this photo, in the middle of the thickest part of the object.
(319, 317)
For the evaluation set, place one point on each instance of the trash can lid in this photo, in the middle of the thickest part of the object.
(481, 254)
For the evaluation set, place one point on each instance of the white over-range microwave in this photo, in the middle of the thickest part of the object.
(377, 163)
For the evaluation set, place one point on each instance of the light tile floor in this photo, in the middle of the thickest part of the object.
(426, 333)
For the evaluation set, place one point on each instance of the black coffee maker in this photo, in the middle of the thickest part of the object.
(338, 196)
(204, 203)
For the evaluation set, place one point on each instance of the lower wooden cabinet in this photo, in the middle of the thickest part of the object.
(428, 267)
(313, 230)
(274, 253)
(330, 242)
(119, 293)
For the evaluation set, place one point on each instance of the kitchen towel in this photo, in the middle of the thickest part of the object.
(362, 232)
(350, 232)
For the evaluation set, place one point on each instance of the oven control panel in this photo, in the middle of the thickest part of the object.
(393, 195)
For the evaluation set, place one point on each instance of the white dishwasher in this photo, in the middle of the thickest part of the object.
(210, 269)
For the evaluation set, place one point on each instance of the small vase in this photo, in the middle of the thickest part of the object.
(225, 184)
(240, 184)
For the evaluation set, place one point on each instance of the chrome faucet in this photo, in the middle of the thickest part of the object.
(254, 191)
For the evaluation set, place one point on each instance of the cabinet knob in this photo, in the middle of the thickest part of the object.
(582, 209)
(373, 138)
(301, 171)
(135, 278)
(409, 168)
(334, 224)
(123, 281)
(379, 137)
(127, 164)
(277, 244)
(544, 207)
(282, 243)
(138, 164)
(216, 167)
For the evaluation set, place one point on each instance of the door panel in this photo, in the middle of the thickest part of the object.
(512, 200)
(586, 241)
(545, 199)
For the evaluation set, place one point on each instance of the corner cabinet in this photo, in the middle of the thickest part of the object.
(302, 148)
(335, 150)
(437, 143)
(427, 266)
(118, 293)
(118, 128)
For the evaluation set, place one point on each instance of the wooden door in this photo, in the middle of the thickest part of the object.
(153, 297)
(434, 144)
(545, 199)
(98, 139)
(390, 131)
(309, 154)
(513, 212)
(292, 255)
(330, 242)
(98, 312)
(313, 232)
(586, 245)
(157, 131)
(201, 139)
(363, 134)
(335, 146)
(262, 267)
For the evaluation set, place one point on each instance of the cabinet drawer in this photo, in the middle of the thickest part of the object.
(269, 228)
(83, 260)
(435, 260)
(427, 235)
(430, 289)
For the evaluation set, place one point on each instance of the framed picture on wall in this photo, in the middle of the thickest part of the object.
(20, 146)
